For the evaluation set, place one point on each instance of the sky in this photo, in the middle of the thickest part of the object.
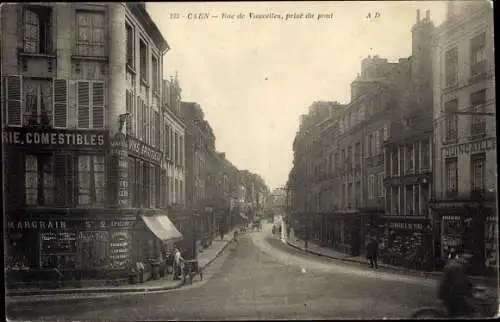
(254, 77)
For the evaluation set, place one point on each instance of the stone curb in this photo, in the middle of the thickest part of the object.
(396, 269)
(83, 291)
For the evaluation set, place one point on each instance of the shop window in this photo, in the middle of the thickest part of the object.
(478, 172)
(21, 253)
(478, 54)
(451, 177)
(451, 67)
(91, 33)
(478, 123)
(37, 102)
(93, 249)
(58, 250)
(91, 108)
(37, 30)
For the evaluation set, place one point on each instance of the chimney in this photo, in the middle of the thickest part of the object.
(428, 15)
(418, 15)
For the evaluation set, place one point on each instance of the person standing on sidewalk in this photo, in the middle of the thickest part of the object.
(371, 252)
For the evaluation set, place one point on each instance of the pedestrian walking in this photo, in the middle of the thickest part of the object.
(177, 264)
(371, 252)
(221, 232)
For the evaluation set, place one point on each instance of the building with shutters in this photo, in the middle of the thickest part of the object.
(83, 138)
(465, 159)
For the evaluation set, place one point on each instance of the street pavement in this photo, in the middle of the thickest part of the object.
(260, 277)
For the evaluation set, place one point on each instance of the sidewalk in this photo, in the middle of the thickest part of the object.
(205, 258)
(333, 254)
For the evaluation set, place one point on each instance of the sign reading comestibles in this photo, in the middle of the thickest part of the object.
(54, 137)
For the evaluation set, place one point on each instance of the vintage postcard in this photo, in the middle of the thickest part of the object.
(249, 160)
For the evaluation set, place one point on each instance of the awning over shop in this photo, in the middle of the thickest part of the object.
(162, 227)
(242, 215)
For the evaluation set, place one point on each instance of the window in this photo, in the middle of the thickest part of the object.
(130, 45)
(129, 101)
(90, 99)
(37, 30)
(380, 188)
(344, 161)
(37, 102)
(90, 33)
(31, 180)
(425, 155)
(451, 107)
(478, 54)
(153, 174)
(156, 75)
(451, 67)
(478, 172)
(371, 187)
(64, 180)
(176, 149)
(143, 53)
(409, 158)
(477, 101)
(181, 149)
(409, 200)
(395, 162)
(451, 177)
(370, 145)
(91, 180)
(60, 103)
(395, 200)
(349, 157)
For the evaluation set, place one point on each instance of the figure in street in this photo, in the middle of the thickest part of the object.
(371, 252)
(177, 264)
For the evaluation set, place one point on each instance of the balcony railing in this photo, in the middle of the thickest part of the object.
(452, 193)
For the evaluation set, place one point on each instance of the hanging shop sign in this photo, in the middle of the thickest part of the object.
(143, 150)
(469, 147)
(55, 138)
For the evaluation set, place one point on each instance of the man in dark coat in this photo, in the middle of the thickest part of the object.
(455, 289)
(371, 252)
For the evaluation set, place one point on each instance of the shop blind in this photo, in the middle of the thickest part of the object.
(60, 103)
(14, 100)
(83, 100)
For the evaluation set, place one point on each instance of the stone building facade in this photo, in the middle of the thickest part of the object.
(83, 191)
(465, 156)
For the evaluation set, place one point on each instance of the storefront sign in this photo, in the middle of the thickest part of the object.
(406, 226)
(36, 224)
(106, 224)
(137, 147)
(469, 147)
(119, 249)
(54, 137)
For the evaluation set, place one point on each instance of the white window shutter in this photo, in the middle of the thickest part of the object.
(83, 101)
(60, 103)
(98, 115)
(14, 100)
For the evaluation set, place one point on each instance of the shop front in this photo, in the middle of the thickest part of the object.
(469, 227)
(407, 242)
(80, 244)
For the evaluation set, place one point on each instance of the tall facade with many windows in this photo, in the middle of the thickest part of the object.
(465, 134)
(82, 136)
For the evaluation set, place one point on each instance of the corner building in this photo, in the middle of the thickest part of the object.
(75, 201)
(465, 160)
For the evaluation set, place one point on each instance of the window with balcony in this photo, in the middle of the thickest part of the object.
(451, 177)
(478, 122)
(478, 54)
(451, 125)
(395, 200)
(37, 30)
(451, 67)
(409, 158)
(130, 45)
(395, 162)
(425, 150)
(478, 162)
(91, 33)
(143, 53)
